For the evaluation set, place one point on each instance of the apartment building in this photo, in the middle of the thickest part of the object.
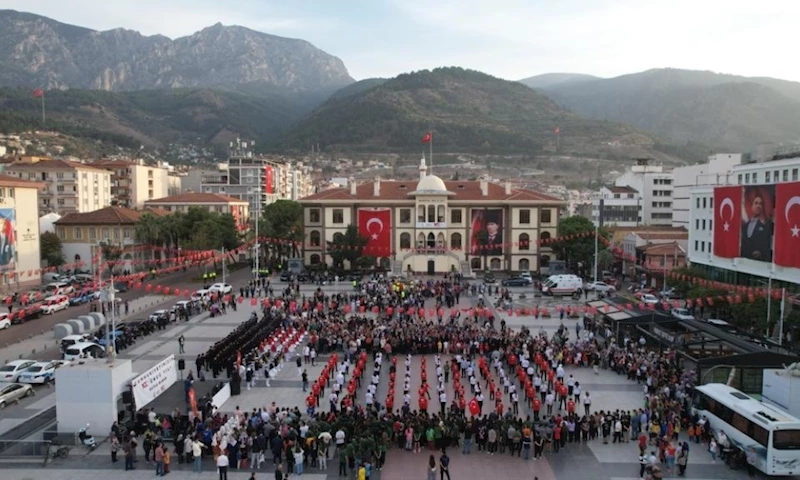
(134, 182)
(20, 259)
(654, 187)
(69, 187)
(620, 206)
(213, 202)
(714, 172)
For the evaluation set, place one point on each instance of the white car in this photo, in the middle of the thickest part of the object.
(201, 294)
(39, 372)
(11, 371)
(53, 304)
(5, 321)
(682, 314)
(650, 299)
(222, 288)
(601, 287)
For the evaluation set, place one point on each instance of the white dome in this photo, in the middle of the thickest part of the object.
(431, 183)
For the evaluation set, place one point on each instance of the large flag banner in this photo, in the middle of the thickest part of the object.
(787, 225)
(376, 225)
(727, 221)
(758, 211)
(269, 181)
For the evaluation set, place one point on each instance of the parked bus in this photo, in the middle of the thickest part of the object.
(773, 434)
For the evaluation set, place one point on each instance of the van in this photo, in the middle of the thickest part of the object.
(84, 350)
(562, 285)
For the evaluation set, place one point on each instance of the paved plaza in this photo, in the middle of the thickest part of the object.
(577, 461)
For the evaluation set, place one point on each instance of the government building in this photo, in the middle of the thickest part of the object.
(435, 226)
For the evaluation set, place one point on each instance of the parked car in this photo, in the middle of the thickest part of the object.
(59, 288)
(81, 298)
(682, 314)
(84, 350)
(200, 294)
(649, 298)
(11, 371)
(516, 282)
(527, 276)
(489, 278)
(221, 288)
(600, 287)
(162, 315)
(70, 340)
(39, 372)
(286, 276)
(5, 322)
(13, 393)
(53, 304)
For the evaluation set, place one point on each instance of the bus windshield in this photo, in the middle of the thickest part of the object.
(786, 439)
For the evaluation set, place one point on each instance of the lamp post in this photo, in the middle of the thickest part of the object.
(768, 283)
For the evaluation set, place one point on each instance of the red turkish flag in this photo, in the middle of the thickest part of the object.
(427, 138)
(38, 93)
(556, 131)
(376, 225)
(787, 225)
(268, 181)
(727, 221)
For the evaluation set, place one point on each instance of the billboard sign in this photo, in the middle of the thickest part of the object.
(8, 243)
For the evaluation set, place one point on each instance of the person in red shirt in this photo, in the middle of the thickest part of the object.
(551, 374)
(311, 403)
(570, 406)
(537, 406)
(423, 404)
(498, 405)
(562, 396)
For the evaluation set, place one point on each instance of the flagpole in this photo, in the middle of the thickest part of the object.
(430, 169)
(43, 116)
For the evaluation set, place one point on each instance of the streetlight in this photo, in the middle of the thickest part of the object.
(768, 283)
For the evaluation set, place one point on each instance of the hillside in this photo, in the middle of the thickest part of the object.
(466, 110)
(546, 80)
(155, 117)
(721, 111)
(37, 51)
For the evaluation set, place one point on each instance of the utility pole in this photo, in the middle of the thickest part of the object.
(223, 264)
(596, 247)
(258, 214)
(783, 309)
(769, 302)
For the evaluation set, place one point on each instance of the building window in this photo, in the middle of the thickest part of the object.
(431, 213)
(455, 241)
(794, 174)
(746, 178)
(405, 215)
(62, 234)
(61, 201)
(475, 263)
(314, 238)
(704, 203)
(92, 233)
(525, 217)
(59, 188)
(338, 237)
(421, 213)
(786, 175)
(338, 215)
(314, 259)
(495, 264)
(696, 245)
(524, 241)
(105, 234)
(524, 265)
(698, 202)
(755, 177)
(60, 175)
(78, 234)
(767, 177)
(739, 179)
(126, 233)
(546, 216)
(711, 225)
(455, 215)
(544, 261)
(405, 238)
(704, 223)
(116, 234)
(544, 236)
(440, 215)
(313, 215)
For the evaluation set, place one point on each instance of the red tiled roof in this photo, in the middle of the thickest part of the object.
(10, 181)
(53, 164)
(108, 216)
(399, 190)
(195, 197)
(665, 249)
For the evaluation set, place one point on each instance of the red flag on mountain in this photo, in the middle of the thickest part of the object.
(38, 93)
(427, 138)
(556, 131)
(787, 225)
(727, 221)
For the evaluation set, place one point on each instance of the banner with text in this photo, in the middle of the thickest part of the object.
(152, 383)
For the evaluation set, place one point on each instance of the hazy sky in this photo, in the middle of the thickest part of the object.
(508, 38)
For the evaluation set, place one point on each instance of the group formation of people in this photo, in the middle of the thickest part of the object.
(539, 407)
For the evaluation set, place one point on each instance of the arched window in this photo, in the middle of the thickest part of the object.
(314, 238)
(455, 241)
(495, 264)
(524, 241)
(431, 213)
(314, 259)
(338, 237)
(431, 240)
(421, 240)
(421, 213)
(440, 216)
(475, 263)
(524, 265)
(544, 236)
(440, 242)
(544, 261)
(405, 240)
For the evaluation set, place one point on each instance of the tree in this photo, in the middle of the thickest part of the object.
(50, 249)
(576, 243)
(347, 247)
(282, 219)
(148, 232)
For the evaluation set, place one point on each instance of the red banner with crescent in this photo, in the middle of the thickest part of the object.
(727, 221)
(787, 225)
(269, 180)
(376, 225)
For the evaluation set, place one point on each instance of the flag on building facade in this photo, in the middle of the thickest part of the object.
(787, 225)
(727, 221)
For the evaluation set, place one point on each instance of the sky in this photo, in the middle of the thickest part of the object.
(511, 39)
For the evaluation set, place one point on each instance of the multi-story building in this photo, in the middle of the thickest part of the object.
(763, 176)
(83, 234)
(433, 226)
(715, 172)
(20, 259)
(134, 182)
(68, 186)
(654, 187)
(213, 202)
(617, 205)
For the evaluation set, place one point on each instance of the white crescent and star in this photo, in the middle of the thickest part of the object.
(727, 202)
(791, 203)
(372, 221)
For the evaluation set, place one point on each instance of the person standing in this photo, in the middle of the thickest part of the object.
(158, 457)
(114, 448)
(431, 468)
(444, 465)
(279, 472)
(222, 465)
(683, 459)
(181, 342)
(197, 454)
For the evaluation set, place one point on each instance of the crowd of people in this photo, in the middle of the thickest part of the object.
(539, 408)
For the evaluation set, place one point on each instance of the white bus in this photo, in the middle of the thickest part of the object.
(772, 433)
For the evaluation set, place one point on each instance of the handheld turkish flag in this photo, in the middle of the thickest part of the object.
(787, 225)
(376, 225)
(38, 93)
(727, 221)
(427, 138)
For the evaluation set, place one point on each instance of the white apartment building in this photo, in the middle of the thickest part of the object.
(619, 206)
(715, 172)
(69, 187)
(134, 182)
(742, 271)
(653, 196)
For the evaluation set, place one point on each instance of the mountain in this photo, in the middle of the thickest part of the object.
(718, 110)
(36, 51)
(549, 80)
(466, 111)
(155, 118)
(358, 87)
